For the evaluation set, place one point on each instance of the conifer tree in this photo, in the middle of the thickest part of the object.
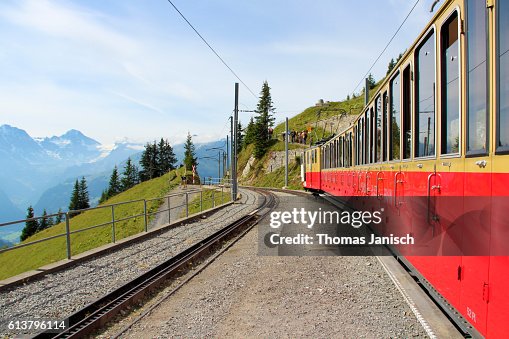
(129, 176)
(104, 196)
(59, 218)
(45, 222)
(114, 186)
(84, 201)
(371, 81)
(250, 133)
(148, 162)
(190, 159)
(31, 226)
(75, 196)
(240, 137)
(264, 121)
(166, 158)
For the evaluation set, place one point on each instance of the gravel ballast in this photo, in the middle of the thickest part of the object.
(245, 295)
(57, 295)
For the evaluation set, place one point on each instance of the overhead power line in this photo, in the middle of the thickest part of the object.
(386, 46)
(212, 49)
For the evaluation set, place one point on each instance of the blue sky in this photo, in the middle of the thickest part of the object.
(133, 68)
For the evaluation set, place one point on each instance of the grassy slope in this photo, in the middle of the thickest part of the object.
(302, 121)
(31, 257)
(208, 194)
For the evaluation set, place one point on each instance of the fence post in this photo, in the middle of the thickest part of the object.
(145, 214)
(169, 211)
(113, 223)
(68, 235)
(222, 200)
(187, 205)
(201, 200)
(213, 198)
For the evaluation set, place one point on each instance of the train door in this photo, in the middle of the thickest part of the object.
(474, 269)
(425, 181)
(496, 291)
(446, 184)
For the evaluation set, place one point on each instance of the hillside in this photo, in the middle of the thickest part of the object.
(31, 257)
(323, 119)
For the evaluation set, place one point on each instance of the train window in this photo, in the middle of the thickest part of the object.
(361, 141)
(477, 97)
(395, 117)
(336, 153)
(334, 156)
(371, 150)
(356, 133)
(349, 149)
(378, 129)
(407, 113)
(503, 80)
(450, 120)
(384, 126)
(367, 138)
(340, 152)
(425, 98)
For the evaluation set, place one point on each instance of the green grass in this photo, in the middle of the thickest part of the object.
(211, 198)
(34, 256)
(303, 121)
(276, 178)
(311, 114)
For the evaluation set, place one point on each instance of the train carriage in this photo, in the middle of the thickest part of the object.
(436, 131)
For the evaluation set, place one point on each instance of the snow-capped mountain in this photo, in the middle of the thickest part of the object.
(29, 166)
(72, 146)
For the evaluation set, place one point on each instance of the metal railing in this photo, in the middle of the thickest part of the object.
(226, 182)
(147, 214)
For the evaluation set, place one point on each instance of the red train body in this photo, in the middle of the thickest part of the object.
(437, 130)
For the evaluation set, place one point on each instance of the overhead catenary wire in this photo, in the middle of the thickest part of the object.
(212, 49)
(386, 46)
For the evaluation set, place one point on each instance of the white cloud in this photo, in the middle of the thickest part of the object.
(77, 24)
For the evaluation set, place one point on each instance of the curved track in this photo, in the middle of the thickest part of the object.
(99, 312)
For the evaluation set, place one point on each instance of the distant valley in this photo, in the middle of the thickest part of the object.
(41, 171)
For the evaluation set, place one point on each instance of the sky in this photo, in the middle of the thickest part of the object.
(134, 69)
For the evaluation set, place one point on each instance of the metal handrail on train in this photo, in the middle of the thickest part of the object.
(146, 214)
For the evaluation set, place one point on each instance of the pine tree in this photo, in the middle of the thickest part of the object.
(371, 81)
(190, 159)
(45, 222)
(83, 200)
(31, 226)
(240, 138)
(129, 176)
(104, 196)
(249, 135)
(74, 203)
(149, 162)
(166, 159)
(114, 186)
(391, 66)
(264, 121)
(348, 97)
(59, 218)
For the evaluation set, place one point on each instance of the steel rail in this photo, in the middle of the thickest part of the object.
(95, 315)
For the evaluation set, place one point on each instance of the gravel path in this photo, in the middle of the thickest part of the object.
(55, 296)
(245, 295)
(177, 205)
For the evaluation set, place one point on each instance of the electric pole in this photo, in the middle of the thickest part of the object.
(235, 125)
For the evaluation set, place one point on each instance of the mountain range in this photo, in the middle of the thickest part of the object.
(41, 171)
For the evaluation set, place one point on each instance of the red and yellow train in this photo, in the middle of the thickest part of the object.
(438, 127)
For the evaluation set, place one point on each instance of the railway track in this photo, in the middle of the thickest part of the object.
(97, 314)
